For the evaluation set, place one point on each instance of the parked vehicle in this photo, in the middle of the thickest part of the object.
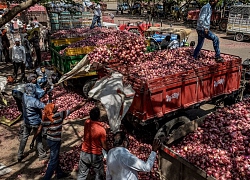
(239, 22)
(136, 8)
(157, 34)
(135, 27)
(189, 6)
(123, 7)
(216, 19)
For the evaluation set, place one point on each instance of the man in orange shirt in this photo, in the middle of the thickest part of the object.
(94, 142)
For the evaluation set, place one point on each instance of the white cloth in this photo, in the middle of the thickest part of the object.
(105, 90)
(123, 165)
(97, 10)
(18, 54)
(3, 82)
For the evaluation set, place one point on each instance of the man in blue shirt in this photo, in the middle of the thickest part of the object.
(32, 119)
(203, 30)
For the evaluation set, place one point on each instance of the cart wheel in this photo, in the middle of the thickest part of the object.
(88, 86)
(169, 127)
(223, 25)
(239, 37)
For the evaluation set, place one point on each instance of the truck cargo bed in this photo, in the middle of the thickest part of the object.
(174, 167)
(158, 97)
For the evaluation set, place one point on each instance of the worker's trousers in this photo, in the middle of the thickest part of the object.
(201, 38)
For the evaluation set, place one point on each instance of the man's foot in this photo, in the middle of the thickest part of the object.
(19, 159)
(63, 175)
(219, 60)
(44, 158)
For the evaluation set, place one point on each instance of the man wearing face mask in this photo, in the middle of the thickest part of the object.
(18, 58)
(121, 164)
(203, 30)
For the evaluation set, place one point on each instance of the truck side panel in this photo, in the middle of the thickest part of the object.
(167, 94)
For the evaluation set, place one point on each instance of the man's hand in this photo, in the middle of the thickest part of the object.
(32, 145)
(50, 94)
(156, 145)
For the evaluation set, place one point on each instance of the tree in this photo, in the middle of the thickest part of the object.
(15, 10)
(25, 4)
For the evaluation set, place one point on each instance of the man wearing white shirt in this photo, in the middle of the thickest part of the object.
(122, 165)
(18, 58)
(97, 16)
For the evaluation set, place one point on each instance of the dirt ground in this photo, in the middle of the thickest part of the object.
(31, 168)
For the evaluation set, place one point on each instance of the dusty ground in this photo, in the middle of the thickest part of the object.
(31, 168)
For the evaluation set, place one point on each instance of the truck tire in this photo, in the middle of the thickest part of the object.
(223, 25)
(88, 85)
(239, 37)
(246, 38)
(169, 127)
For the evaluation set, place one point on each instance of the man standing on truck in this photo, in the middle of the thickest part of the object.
(121, 164)
(203, 30)
(97, 15)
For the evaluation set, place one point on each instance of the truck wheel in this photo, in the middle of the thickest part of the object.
(246, 38)
(239, 37)
(169, 127)
(87, 87)
(223, 25)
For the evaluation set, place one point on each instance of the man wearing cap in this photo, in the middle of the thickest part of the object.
(26, 45)
(32, 119)
(18, 58)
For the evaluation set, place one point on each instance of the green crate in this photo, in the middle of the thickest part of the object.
(55, 56)
(69, 62)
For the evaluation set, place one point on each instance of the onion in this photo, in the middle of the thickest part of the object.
(221, 145)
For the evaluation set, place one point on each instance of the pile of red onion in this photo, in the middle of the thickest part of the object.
(70, 33)
(221, 146)
(104, 37)
(134, 62)
(66, 100)
(10, 112)
(77, 32)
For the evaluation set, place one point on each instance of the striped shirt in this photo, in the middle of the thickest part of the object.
(53, 130)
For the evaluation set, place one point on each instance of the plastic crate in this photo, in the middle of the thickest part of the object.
(66, 63)
(79, 50)
(61, 42)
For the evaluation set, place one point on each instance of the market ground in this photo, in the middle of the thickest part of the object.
(31, 168)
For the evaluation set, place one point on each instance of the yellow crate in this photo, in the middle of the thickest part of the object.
(73, 51)
(79, 50)
(67, 41)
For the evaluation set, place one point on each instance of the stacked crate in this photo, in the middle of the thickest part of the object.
(65, 20)
(87, 18)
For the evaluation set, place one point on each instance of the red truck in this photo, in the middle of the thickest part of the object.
(217, 19)
(160, 103)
